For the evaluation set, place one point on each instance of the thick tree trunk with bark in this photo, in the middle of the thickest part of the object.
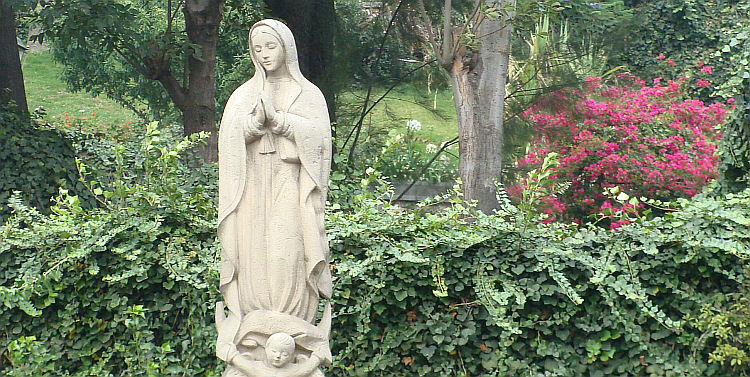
(313, 24)
(202, 21)
(478, 81)
(11, 76)
(478, 77)
(196, 98)
(481, 122)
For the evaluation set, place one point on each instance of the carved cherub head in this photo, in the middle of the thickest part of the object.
(279, 349)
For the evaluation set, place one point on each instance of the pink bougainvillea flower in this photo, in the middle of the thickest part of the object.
(706, 69)
(730, 100)
(656, 80)
(660, 57)
(670, 63)
(702, 83)
(649, 141)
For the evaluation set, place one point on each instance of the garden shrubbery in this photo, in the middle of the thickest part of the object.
(128, 288)
(646, 140)
(124, 289)
(36, 160)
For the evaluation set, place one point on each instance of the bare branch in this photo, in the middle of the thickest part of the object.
(358, 127)
(369, 109)
(473, 19)
(172, 15)
(431, 33)
(424, 168)
(448, 45)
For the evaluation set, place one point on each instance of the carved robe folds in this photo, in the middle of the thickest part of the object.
(274, 165)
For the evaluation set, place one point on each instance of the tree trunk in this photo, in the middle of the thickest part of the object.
(11, 76)
(313, 24)
(478, 83)
(202, 20)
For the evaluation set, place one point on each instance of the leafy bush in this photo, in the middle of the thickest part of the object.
(405, 157)
(36, 160)
(431, 294)
(725, 323)
(128, 289)
(125, 289)
(646, 140)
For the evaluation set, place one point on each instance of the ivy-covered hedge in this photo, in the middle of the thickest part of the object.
(128, 289)
(432, 295)
(123, 290)
(35, 160)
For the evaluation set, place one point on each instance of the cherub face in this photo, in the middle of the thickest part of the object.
(279, 353)
(267, 48)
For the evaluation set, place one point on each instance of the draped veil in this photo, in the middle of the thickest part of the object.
(308, 149)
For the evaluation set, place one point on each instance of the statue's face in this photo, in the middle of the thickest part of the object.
(267, 49)
(278, 355)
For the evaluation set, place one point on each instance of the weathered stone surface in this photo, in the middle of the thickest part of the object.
(274, 165)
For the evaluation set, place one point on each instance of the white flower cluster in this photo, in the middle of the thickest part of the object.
(413, 125)
(431, 148)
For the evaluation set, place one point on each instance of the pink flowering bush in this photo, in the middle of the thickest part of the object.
(649, 141)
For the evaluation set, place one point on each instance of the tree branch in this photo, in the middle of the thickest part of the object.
(369, 109)
(174, 89)
(358, 126)
(474, 18)
(431, 33)
(424, 168)
(448, 45)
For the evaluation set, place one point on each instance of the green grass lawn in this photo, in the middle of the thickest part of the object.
(433, 110)
(436, 113)
(44, 88)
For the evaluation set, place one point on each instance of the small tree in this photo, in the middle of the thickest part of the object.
(178, 53)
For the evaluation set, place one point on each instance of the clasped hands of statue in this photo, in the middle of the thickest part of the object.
(264, 117)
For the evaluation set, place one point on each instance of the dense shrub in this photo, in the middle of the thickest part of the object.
(425, 294)
(735, 164)
(36, 160)
(646, 140)
(685, 32)
(128, 289)
(123, 290)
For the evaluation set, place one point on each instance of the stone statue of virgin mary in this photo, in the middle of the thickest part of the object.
(274, 165)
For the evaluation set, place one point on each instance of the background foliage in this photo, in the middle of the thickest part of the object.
(685, 32)
(735, 166)
(36, 160)
(648, 141)
(128, 288)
